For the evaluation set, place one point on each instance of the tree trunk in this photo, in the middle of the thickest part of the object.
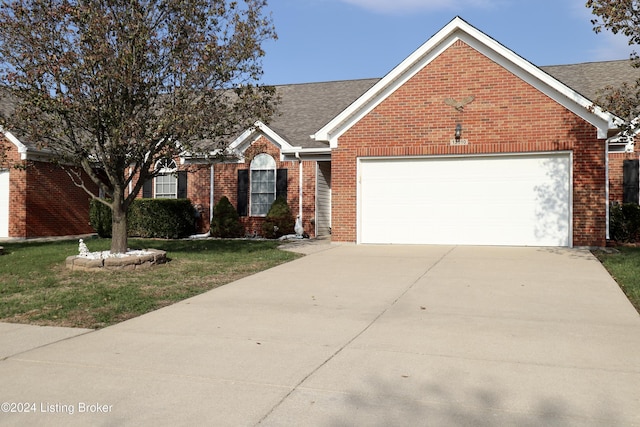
(119, 242)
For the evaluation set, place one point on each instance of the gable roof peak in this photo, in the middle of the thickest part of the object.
(460, 30)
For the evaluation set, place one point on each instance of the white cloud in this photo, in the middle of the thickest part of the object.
(403, 6)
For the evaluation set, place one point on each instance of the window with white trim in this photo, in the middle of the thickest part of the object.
(263, 184)
(166, 184)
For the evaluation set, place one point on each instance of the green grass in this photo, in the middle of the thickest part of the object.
(37, 288)
(624, 266)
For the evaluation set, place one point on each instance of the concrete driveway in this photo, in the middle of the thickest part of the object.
(355, 335)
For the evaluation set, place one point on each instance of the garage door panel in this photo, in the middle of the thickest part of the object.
(519, 200)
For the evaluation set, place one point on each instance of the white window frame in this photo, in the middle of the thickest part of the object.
(167, 179)
(262, 184)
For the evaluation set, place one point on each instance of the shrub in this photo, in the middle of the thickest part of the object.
(226, 221)
(624, 222)
(163, 218)
(100, 218)
(279, 221)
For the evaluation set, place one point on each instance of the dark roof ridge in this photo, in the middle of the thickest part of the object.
(585, 63)
(326, 82)
(362, 79)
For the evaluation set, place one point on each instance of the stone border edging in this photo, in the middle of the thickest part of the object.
(127, 263)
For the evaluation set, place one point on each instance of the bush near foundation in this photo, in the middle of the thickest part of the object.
(151, 218)
(279, 220)
(226, 221)
(100, 218)
(624, 222)
(163, 218)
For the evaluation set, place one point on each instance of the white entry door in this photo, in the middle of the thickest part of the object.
(519, 200)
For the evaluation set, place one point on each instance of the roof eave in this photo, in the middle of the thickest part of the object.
(311, 154)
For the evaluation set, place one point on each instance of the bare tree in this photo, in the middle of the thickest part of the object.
(109, 85)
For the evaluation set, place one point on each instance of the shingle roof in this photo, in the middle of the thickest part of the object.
(590, 77)
(305, 108)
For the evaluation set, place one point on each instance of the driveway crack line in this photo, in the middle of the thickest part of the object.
(355, 337)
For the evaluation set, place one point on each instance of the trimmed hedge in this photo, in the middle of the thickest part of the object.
(624, 222)
(150, 218)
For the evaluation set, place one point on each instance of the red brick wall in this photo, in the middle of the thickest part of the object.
(53, 205)
(616, 177)
(226, 184)
(198, 184)
(43, 201)
(507, 116)
(17, 191)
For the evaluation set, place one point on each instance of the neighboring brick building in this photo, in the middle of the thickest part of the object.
(38, 198)
(464, 142)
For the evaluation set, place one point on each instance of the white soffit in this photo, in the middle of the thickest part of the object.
(458, 29)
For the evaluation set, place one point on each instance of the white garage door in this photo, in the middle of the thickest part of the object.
(4, 203)
(483, 200)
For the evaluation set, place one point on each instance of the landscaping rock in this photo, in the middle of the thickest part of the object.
(126, 263)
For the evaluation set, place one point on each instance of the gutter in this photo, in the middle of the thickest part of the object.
(299, 151)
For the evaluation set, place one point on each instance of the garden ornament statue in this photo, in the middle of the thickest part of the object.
(82, 248)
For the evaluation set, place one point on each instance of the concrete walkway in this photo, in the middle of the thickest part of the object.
(357, 335)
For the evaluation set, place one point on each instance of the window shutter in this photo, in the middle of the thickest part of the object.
(281, 183)
(631, 181)
(243, 192)
(182, 185)
(147, 189)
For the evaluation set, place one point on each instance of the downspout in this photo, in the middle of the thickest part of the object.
(606, 173)
(210, 195)
(300, 182)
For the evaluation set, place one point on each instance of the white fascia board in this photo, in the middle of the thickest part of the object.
(25, 152)
(458, 29)
(310, 154)
(22, 149)
(250, 135)
(308, 151)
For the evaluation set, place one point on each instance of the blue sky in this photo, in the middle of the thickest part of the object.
(326, 40)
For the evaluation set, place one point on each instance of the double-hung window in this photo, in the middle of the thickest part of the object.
(166, 184)
(263, 184)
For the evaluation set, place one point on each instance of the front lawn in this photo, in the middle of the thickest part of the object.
(37, 288)
(625, 268)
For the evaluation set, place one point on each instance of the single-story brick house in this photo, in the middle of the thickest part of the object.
(464, 142)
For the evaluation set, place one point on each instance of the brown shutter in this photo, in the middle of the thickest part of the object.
(281, 183)
(631, 181)
(243, 192)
